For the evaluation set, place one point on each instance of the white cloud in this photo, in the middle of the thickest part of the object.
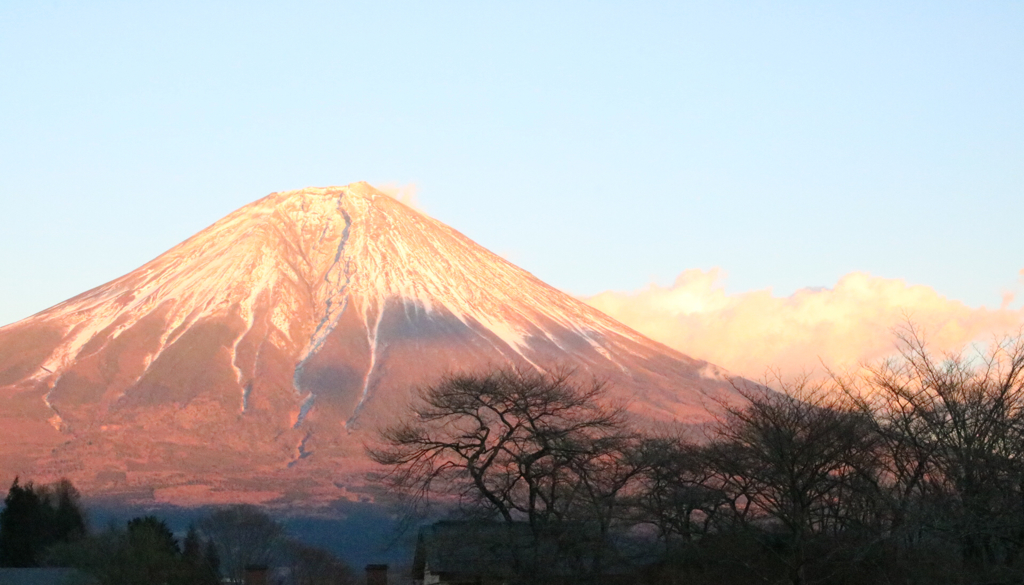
(406, 194)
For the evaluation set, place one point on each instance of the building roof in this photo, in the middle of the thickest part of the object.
(47, 576)
(496, 552)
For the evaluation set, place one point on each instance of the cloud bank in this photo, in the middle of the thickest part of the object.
(840, 327)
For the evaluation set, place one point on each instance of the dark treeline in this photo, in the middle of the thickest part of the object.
(45, 526)
(35, 518)
(907, 472)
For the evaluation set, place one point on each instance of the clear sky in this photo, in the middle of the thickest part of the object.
(599, 145)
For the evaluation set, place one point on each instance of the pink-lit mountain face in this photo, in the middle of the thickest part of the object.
(254, 360)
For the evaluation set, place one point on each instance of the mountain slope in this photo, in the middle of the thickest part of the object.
(254, 359)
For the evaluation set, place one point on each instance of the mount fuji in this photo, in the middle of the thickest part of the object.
(253, 361)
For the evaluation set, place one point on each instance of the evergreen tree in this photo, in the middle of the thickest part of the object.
(149, 554)
(68, 517)
(197, 565)
(21, 527)
(153, 533)
(213, 558)
(191, 547)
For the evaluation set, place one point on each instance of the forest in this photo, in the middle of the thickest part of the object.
(906, 471)
(47, 526)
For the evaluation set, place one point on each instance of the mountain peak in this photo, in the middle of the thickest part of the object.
(358, 190)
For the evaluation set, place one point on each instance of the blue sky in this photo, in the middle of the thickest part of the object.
(600, 145)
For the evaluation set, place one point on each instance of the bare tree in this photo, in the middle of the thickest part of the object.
(315, 566)
(952, 428)
(679, 495)
(543, 449)
(800, 461)
(506, 440)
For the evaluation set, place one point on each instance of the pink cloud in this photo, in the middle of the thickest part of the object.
(841, 327)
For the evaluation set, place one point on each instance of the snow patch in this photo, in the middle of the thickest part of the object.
(336, 278)
(372, 339)
(713, 372)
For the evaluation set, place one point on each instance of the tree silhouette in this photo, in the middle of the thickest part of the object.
(542, 451)
(22, 526)
(37, 517)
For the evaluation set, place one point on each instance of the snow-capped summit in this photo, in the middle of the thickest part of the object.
(261, 352)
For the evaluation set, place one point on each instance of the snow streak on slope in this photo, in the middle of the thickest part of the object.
(372, 341)
(401, 254)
